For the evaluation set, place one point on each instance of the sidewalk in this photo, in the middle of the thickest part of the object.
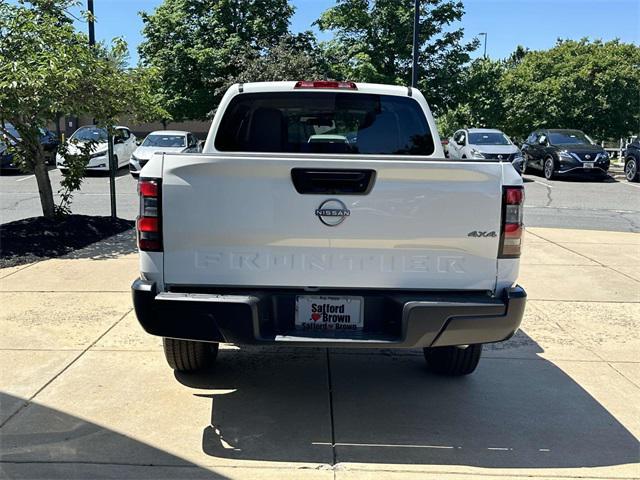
(85, 393)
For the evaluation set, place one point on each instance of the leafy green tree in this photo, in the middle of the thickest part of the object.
(196, 46)
(373, 43)
(481, 98)
(47, 69)
(294, 57)
(593, 86)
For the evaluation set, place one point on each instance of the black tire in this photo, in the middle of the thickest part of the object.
(631, 172)
(453, 361)
(525, 167)
(549, 168)
(187, 356)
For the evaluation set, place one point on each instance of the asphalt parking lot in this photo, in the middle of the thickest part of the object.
(85, 393)
(610, 205)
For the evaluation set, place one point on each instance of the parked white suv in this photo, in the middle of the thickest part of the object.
(168, 141)
(124, 143)
(484, 144)
(369, 238)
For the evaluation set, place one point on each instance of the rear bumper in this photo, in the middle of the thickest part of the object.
(394, 319)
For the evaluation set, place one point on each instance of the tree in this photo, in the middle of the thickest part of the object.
(293, 57)
(593, 86)
(47, 69)
(373, 43)
(481, 98)
(198, 45)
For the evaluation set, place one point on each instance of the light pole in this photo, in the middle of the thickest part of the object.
(485, 43)
(416, 33)
(92, 33)
(112, 164)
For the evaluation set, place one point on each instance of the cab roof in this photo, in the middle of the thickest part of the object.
(289, 86)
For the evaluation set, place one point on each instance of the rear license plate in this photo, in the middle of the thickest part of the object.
(588, 165)
(318, 313)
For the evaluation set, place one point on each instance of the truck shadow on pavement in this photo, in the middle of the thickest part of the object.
(56, 445)
(517, 410)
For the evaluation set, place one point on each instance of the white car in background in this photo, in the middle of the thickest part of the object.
(124, 143)
(165, 141)
(484, 143)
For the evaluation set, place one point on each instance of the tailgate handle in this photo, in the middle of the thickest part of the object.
(326, 181)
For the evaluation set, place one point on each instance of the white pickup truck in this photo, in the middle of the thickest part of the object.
(325, 214)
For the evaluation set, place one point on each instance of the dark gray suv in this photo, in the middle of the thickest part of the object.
(562, 152)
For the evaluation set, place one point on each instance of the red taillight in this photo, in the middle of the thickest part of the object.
(512, 222)
(149, 222)
(325, 84)
(148, 188)
(513, 196)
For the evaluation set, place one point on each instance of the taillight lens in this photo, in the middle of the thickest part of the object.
(325, 84)
(149, 222)
(512, 222)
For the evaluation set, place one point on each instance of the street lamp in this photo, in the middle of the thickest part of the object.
(112, 163)
(92, 34)
(485, 43)
(416, 32)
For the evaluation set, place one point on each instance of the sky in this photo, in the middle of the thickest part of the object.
(535, 24)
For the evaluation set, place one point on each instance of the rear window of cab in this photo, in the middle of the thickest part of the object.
(324, 122)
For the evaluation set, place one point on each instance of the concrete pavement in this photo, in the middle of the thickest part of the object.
(85, 393)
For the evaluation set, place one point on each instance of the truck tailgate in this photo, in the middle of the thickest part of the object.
(238, 220)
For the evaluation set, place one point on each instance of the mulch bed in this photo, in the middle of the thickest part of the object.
(37, 238)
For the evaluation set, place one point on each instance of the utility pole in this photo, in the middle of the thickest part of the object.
(92, 33)
(484, 34)
(112, 173)
(112, 164)
(416, 35)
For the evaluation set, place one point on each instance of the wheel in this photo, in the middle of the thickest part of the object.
(187, 356)
(453, 361)
(548, 169)
(631, 170)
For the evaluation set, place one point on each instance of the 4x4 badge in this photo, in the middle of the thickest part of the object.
(477, 234)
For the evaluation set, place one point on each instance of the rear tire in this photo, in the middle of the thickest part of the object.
(187, 356)
(631, 170)
(453, 361)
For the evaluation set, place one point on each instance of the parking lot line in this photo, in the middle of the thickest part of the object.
(25, 178)
(542, 183)
(630, 184)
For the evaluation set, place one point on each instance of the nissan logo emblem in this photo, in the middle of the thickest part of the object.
(587, 156)
(499, 157)
(332, 212)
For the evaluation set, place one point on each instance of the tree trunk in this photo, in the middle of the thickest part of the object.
(44, 182)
